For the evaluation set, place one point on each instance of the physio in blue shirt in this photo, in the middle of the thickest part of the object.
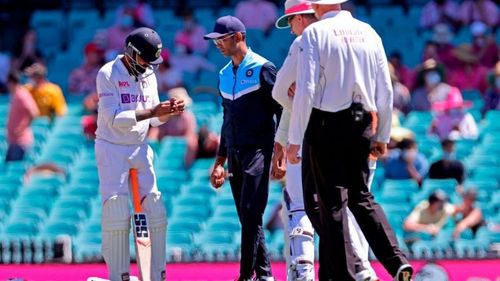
(247, 139)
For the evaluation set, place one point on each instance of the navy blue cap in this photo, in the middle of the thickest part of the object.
(147, 44)
(225, 25)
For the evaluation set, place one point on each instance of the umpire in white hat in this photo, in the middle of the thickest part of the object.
(342, 114)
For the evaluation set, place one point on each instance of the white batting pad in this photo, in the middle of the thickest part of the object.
(157, 217)
(301, 234)
(115, 221)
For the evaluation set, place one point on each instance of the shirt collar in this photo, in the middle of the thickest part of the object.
(121, 66)
(248, 55)
(332, 14)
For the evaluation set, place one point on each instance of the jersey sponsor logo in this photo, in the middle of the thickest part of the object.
(250, 81)
(129, 98)
(123, 84)
(101, 95)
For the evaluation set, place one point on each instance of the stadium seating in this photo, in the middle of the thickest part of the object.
(203, 222)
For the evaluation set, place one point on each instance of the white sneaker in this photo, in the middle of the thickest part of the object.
(405, 273)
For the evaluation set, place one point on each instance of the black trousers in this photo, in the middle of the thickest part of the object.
(250, 186)
(336, 154)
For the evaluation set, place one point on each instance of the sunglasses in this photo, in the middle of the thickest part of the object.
(222, 39)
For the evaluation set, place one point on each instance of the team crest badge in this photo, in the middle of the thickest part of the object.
(249, 73)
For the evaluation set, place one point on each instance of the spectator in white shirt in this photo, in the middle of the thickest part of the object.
(192, 33)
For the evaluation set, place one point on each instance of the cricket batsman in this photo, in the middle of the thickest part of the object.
(298, 16)
(128, 105)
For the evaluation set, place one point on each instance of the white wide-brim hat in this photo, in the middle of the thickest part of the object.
(326, 2)
(293, 7)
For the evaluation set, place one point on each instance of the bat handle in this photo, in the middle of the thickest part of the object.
(134, 182)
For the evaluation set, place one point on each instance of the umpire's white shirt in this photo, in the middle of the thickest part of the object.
(341, 57)
(119, 97)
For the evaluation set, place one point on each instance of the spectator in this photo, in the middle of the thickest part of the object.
(429, 86)
(182, 125)
(451, 121)
(167, 76)
(45, 169)
(442, 37)
(406, 162)
(401, 98)
(439, 11)
(48, 96)
(89, 121)
(208, 143)
(188, 62)
(27, 53)
(82, 79)
(492, 97)
(484, 45)
(402, 72)
(468, 74)
(262, 17)
(430, 216)
(192, 33)
(140, 10)
(22, 111)
(111, 39)
(4, 71)
(467, 215)
(479, 10)
(448, 167)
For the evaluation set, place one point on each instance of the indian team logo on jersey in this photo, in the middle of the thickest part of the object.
(249, 73)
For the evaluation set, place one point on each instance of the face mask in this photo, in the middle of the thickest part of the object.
(189, 25)
(126, 21)
(480, 41)
(409, 154)
(497, 82)
(432, 78)
(449, 156)
(455, 112)
(180, 49)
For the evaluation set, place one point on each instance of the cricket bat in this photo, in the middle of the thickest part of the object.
(141, 230)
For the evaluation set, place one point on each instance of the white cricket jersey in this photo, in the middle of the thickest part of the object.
(286, 76)
(119, 97)
(284, 79)
(341, 59)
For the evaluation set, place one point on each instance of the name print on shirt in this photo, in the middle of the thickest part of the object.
(350, 36)
(130, 98)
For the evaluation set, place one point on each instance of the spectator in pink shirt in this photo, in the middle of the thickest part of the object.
(469, 74)
(23, 110)
(257, 14)
(142, 13)
(402, 72)
(442, 37)
(182, 125)
(81, 81)
(479, 10)
(429, 86)
(484, 45)
(439, 11)
(112, 38)
(192, 33)
(451, 121)
(187, 61)
(167, 76)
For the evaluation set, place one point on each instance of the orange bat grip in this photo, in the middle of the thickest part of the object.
(135, 190)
